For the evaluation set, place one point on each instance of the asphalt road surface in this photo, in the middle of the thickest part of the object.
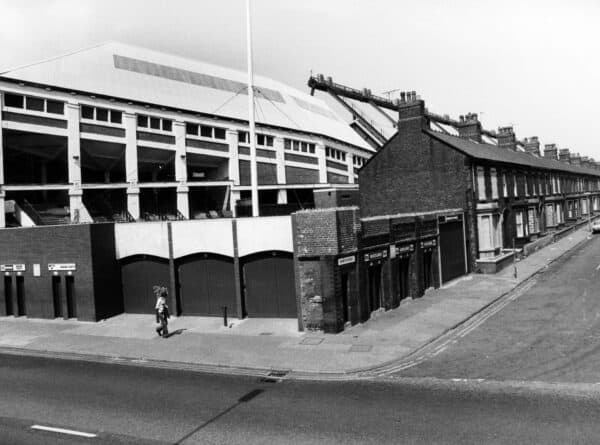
(551, 333)
(125, 404)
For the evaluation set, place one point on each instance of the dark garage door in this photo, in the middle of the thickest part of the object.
(269, 285)
(207, 283)
(139, 274)
(452, 250)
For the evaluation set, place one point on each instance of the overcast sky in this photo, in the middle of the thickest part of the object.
(532, 64)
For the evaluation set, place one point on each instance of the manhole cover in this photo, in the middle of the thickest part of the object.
(361, 348)
(313, 341)
(266, 333)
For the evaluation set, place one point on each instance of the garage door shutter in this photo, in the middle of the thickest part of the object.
(269, 286)
(139, 274)
(207, 283)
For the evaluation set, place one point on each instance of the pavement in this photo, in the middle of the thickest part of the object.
(260, 346)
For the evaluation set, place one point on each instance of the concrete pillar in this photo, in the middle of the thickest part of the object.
(1, 142)
(73, 145)
(2, 194)
(131, 158)
(282, 197)
(180, 154)
(2, 210)
(280, 158)
(133, 202)
(183, 203)
(75, 194)
(350, 165)
(234, 158)
(322, 163)
(235, 196)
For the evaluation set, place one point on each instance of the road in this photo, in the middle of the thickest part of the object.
(126, 404)
(551, 333)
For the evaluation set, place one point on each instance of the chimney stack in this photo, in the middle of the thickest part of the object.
(575, 159)
(469, 127)
(411, 110)
(564, 155)
(506, 138)
(550, 151)
(585, 161)
(532, 145)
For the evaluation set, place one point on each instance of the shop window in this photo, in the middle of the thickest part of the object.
(55, 107)
(35, 104)
(102, 114)
(14, 100)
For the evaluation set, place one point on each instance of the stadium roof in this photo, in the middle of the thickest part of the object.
(141, 75)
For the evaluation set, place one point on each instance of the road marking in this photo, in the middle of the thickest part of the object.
(62, 431)
(598, 267)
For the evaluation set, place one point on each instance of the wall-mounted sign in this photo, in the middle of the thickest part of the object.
(346, 260)
(428, 243)
(57, 267)
(12, 267)
(372, 256)
(36, 270)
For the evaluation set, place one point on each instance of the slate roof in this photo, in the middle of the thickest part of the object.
(494, 153)
(136, 74)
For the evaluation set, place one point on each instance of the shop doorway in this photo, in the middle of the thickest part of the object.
(374, 278)
(427, 276)
(56, 297)
(70, 293)
(345, 306)
(403, 278)
(20, 295)
(8, 295)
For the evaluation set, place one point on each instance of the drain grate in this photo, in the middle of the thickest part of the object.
(313, 341)
(274, 376)
(361, 348)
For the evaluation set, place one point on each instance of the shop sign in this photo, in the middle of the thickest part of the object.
(405, 249)
(428, 243)
(57, 267)
(346, 260)
(376, 255)
(12, 267)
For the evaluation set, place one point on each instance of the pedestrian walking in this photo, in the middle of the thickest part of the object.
(162, 311)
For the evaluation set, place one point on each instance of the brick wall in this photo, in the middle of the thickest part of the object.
(298, 175)
(412, 173)
(59, 244)
(267, 173)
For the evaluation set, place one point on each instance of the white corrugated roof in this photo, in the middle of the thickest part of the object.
(139, 74)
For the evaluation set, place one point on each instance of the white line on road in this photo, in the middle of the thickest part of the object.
(62, 431)
(598, 267)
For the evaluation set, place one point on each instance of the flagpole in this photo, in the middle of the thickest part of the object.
(253, 168)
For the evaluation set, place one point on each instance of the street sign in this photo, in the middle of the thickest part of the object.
(12, 267)
(57, 267)
(346, 260)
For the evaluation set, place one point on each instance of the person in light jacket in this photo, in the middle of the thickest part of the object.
(162, 312)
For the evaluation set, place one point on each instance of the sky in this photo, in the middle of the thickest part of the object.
(531, 64)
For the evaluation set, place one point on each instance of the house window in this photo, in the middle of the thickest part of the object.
(526, 183)
(167, 125)
(494, 181)
(521, 227)
(35, 104)
(532, 221)
(193, 130)
(504, 186)
(219, 133)
(102, 114)
(116, 117)
(481, 184)
(550, 218)
(14, 100)
(155, 123)
(515, 190)
(142, 121)
(87, 112)
(55, 107)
